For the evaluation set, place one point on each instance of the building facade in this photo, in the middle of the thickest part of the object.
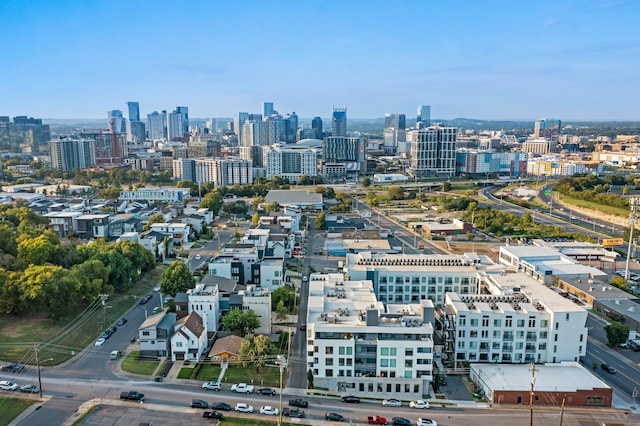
(339, 122)
(69, 154)
(433, 151)
(290, 163)
(345, 153)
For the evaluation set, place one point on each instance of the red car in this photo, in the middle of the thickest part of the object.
(376, 420)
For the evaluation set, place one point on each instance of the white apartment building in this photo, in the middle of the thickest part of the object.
(433, 151)
(259, 301)
(271, 274)
(178, 231)
(519, 320)
(355, 345)
(399, 278)
(167, 194)
(205, 301)
(224, 172)
(290, 163)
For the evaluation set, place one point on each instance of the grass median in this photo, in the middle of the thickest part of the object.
(266, 376)
(136, 365)
(10, 408)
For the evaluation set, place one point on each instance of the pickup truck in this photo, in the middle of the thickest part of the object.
(376, 420)
(293, 412)
(132, 395)
(242, 388)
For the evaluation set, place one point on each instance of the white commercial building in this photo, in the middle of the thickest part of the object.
(156, 194)
(221, 172)
(356, 346)
(433, 151)
(399, 278)
(519, 320)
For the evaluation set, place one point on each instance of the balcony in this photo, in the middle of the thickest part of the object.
(507, 338)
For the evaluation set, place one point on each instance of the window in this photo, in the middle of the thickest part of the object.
(392, 352)
(341, 350)
(555, 348)
(497, 323)
(496, 334)
(328, 372)
(392, 363)
(508, 322)
(145, 333)
(555, 338)
(409, 351)
(328, 361)
(178, 344)
(474, 323)
(341, 362)
(566, 318)
(407, 374)
(384, 362)
(520, 323)
(408, 363)
(581, 336)
(473, 334)
(485, 321)
(544, 323)
(532, 322)
(462, 321)
(328, 350)
(349, 351)
(384, 351)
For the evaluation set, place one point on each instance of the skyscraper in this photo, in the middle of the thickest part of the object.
(134, 111)
(116, 121)
(268, 109)
(238, 121)
(291, 127)
(547, 128)
(339, 122)
(424, 116)
(344, 155)
(185, 119)
(394, 132)
(156, 125)
(69, 154)
(316, 125)
(175, 126)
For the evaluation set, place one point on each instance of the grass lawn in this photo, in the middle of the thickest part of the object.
(593, 206)
(267, 376)
(65, 337)
(185, 373)
(10, 408)
(145, 367)
(250, 422)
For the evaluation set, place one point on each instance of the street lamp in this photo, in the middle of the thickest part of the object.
(38, 368)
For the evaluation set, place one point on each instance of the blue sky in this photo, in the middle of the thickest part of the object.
(477, 59)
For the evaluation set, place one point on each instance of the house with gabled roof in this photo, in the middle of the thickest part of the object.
(226, 349)
(189, 341)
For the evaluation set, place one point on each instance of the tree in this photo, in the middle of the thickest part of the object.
(617, 333)
(319, 224)
(310, 379)
(281, 311)
(395, 193)
(372, 199)
(37, 251)
(154, 218)
(241, 323)
(212, 201)
(446, 186)
(176, 279)
(366, 182)
(286, 295)
(255, 219)
(619, 282)
(255, 349)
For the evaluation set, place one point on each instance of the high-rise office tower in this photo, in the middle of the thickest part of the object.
(238, 121)
(423, 118)
(254, 133)
(135, 131)
(268, 109)
(316, 125)
(211, 125)
(116, 121)
(273, 132)
(156, 125)
(394, 132)
(134, 111)
(291, 127)
(175, 126)
(433, 151)
(185, 119)
(339, 122)
(547, 128)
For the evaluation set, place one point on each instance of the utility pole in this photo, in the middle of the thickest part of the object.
(38, 367)
(562, 412)
(533, 380)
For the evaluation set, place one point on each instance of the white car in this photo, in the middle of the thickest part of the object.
(241, 407)
(156, 288)
(271, 411)
(99, 342)
(392, 403)
(420, 403)
(216, 386)
(8, 385)
(198, 257)
(426, 422)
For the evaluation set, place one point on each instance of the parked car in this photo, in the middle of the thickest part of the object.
(297, 402)
(333, 417)
(609, 369)
(426, 422)
(242, 388)
(100, 341)
(303, 327)
(106, 334)
(269, 410)
(350, 399)
(221, 406)
(419, 403)
(8, 385)
(198, 403)
(215, 386)
(156, 288)
(267, 391)
(143, 301)
(131, 395)
(213, 415)
(401, 421)
(12, 367)
(242, 407)
(376, 420)
(121, 321)
(392, 403)
(30, 389)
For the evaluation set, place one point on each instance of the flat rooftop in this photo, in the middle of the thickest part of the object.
(560, 377)
(286, 196)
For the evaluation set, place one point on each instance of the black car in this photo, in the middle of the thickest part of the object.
(350, 399)
(198, 403)
(334, 416)
(222, 406)
(121, 321)
(143, 301)
(267, 391)
(107, 333)
(113, 329)
(298, 403)
(609, 369)
(400, 421)
(213, 415)
(13, 367)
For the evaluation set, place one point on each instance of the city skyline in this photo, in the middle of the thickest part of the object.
(489, 60)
